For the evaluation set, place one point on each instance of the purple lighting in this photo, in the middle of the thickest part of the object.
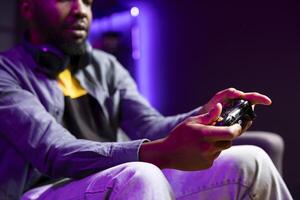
(139, 22)
(147, 64)
(135, 34)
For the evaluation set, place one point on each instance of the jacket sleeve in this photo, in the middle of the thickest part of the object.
(44, 143)
(138, 118)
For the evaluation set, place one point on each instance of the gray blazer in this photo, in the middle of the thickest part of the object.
(32, 141)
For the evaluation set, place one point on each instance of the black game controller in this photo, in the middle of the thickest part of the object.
(237, 111)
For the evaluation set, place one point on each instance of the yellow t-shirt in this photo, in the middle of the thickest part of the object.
(69, 85)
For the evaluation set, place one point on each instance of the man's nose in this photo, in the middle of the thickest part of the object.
(79, 8)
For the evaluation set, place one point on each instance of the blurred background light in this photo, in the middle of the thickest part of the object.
(135, 11)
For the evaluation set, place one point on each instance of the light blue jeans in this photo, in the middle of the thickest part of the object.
(241, 172)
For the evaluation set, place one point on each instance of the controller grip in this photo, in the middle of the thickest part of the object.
(238, 111)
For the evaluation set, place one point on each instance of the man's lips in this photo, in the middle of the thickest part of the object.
(77, 27)
(78, 30)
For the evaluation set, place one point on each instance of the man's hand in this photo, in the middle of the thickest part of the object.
(195, 143)
(192, 145)
(226, 95)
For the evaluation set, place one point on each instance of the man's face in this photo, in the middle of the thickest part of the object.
(63, 23)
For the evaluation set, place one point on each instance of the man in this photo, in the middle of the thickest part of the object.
(54, 78)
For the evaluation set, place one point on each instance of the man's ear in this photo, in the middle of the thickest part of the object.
(27, 9)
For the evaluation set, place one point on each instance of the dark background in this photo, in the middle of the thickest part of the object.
(253, 46)
(205, 47)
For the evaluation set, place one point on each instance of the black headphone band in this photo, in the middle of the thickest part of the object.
(52, 61)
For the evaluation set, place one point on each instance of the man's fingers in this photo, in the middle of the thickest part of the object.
(211, 116)
(217, 133)
(246, 125)
(257, 98)
(221, 145)
(215, 155)
(230, 93)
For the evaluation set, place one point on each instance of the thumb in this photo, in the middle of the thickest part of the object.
(211, 116)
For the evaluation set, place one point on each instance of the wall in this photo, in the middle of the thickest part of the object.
(252, 46)
(7, 24)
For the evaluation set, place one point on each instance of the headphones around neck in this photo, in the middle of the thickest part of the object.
(52, 61)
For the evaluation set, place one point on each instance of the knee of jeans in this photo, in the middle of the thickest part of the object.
(139, 179)
(253, 155)
(144, 172)
(249, 161)
(140, 175)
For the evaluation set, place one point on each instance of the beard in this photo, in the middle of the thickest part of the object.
(72, 48)
(67, 46)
